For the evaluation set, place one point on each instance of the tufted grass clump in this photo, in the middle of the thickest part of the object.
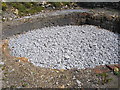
(4, 6)
(104, 78)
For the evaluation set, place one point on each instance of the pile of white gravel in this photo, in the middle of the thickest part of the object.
(66, 47)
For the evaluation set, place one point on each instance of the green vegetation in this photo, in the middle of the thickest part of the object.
(104, 78)
(3, 68)
(59, 4)
(1, 65)
(56, 4)
(24, 85)
(27, 8)
(30, 8)
(24, 8)
(116, 71)
(4, 6)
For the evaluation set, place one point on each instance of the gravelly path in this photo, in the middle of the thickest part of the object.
(67, 47)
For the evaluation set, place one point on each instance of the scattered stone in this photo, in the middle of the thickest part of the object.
(78, 82)
(63, 86)
(16, 11)
(2, 63)
(57, 83)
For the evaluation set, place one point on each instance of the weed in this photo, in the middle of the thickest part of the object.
(3, 68)
(24, 85)
(56, 4)
(1, 65)
(104, 78)
(12, 86)
(116, 71)
(25, 8)
(4, 6)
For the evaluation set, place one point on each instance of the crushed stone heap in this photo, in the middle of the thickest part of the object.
(66, 47)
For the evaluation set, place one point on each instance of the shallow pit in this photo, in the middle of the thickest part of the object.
(68, 19)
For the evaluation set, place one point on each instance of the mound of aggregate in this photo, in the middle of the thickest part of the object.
(66, 47)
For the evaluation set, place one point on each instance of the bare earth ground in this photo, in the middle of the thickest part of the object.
(24, 74)
(18, 74)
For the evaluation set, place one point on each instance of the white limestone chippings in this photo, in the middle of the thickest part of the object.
(66, 47)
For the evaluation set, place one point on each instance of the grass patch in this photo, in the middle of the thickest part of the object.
(24, 85)
(104, 78)
(24, 8)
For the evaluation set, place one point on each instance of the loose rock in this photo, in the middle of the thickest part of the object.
(66, 47)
